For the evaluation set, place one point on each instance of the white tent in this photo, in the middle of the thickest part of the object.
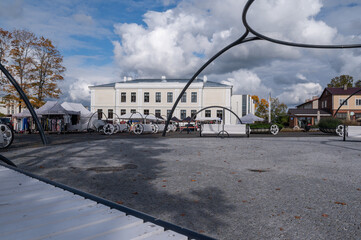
(204, 119)
(153, 118)
(135, 116)
(85, 115)
(250, 118)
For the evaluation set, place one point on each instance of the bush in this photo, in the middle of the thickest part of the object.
(329, 123)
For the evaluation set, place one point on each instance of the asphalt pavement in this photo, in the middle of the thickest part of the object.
(293, 186)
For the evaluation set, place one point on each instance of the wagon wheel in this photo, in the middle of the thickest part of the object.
(223, 134)
(155, 128)
(108, 129)
(116, 128)
(340, 130)
(274, 129)
(138, 129)
(7, 134)
(169, 128)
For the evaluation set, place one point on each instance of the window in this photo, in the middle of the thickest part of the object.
(341, 101)
(169, 97)
(208, 113)
(183, 114)
(123, 111)
(146, 111)
(158, 97)
(123, 97)
(220, 114)
(358, 102)
(100, 114)
(146, 97)
(184, 97)
(133, 97)
(168, 112)
(194, 97)
(132, 110)
(193, 112)
(157, 113)
(341, 115)
(324, 104)
(110, 113)
(244, 105)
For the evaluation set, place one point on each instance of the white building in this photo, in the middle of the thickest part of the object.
(7, 107)
(157, 96)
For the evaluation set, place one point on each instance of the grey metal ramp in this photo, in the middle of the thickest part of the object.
(35, 208)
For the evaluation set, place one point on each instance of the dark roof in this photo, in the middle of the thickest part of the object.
(341, 91)
(310, 101)
(206, 84)
(296, 111)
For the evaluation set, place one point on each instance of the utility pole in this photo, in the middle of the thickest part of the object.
(269, 108)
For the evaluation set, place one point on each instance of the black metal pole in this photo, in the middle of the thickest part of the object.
(344, 132)
(27, 102)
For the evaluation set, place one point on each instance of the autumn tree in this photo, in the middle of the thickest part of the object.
(21, 55)
(341, 81)
(5, 45)
(278, 109)
(35, 64)
(47, 71)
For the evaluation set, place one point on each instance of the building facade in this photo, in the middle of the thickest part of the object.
(331, 99)
(8, 108)
(157, 96)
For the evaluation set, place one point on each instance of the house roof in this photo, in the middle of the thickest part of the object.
(308, 112)
(198, 80)
(342, 91)
(310, 101)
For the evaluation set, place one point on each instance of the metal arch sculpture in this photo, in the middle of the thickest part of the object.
(195, 114)
(243, 39)
(27, 102)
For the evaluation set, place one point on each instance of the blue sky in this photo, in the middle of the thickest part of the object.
(105, 41)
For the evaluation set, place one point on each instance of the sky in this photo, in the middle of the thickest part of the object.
(105, 41)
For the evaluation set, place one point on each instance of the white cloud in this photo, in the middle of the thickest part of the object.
(298, 93)
(300, 76)
(244, 82)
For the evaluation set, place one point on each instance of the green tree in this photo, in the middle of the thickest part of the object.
(341, 81)
(358, 83)
(278, 111)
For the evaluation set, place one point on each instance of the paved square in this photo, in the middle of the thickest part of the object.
(236, 188)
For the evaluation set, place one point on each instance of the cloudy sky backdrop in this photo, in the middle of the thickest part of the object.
(103, 41)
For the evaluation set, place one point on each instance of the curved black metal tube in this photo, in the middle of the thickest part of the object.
(243, 39)
(235, 43)
(334, 115)
(7, 161)
(27, 102)
(303, 45)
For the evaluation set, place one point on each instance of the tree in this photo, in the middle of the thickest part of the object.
(278, 111)
(358, 83)
(34, 63)
(21, 55)
(261, 107)
(5, 45)
(341, 81)
(47, 71)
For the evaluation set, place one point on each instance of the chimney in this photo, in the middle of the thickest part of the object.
(205, 79)
(314, 97)
(125, 79)
(164, 79)
(345, 87)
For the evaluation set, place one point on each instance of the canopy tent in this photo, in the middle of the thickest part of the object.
(132, 116)
(250, 118)
(153, 118)
(76, 107)
(24, 114)
(187, 119)
(55, 108)
(175, 119)
(206, 119)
